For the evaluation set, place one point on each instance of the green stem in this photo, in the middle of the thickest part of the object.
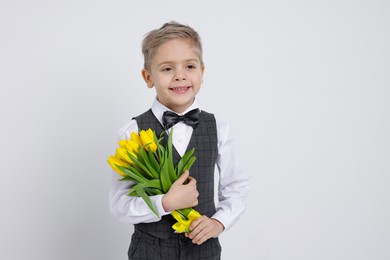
(184, 212)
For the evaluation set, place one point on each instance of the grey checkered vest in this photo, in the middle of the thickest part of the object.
(204, 140)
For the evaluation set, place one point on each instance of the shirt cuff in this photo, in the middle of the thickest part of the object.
(224, 221)
(158, 205)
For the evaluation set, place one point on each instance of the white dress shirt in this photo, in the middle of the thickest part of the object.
(233, 186)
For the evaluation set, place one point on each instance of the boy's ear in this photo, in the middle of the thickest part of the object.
(202, 72)
(148, 78)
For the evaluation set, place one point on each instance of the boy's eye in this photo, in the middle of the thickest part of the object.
(191, 66)
(167, 69)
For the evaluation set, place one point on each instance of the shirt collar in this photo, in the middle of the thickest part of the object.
(158, 109)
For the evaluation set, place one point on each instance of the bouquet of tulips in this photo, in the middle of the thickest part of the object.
(143, 160)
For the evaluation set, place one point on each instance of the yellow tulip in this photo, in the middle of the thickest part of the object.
(129, 145)
(115, 162)
(135, 137)
(183, 225)
(132, 145)
(122, 154)
(147, 138)
(122, 143)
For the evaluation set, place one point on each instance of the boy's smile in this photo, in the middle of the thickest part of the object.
(180, 90)
(176, 72)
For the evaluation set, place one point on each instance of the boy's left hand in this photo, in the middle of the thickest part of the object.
(204, 228)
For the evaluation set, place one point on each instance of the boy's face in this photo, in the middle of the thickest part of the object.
(176, 73)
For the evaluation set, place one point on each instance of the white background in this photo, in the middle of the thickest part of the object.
(304, 84)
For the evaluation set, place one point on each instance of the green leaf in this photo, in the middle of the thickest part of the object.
(147, 200)
(148, 184)
(126, 178)
(137, 171)
(134, 176)
(180, 165)
(148, 164)
(164, 176)
(134, 194)
(171, 168)
(160, 152)
(142, 166)
(153, 161)
(184, 212)
(189, 163)
(161, 136)
(139, 158)
(154, 191)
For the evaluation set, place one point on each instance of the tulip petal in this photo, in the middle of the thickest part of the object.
(115, 162)
(184, 222)
(136, 138)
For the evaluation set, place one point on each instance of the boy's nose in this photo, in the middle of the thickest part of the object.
(180, 77)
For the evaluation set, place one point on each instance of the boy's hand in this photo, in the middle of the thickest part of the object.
(204, 228)
(181, 195)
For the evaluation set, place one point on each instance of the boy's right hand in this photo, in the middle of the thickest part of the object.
(181, 195)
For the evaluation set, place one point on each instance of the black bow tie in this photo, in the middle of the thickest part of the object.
(191, 118)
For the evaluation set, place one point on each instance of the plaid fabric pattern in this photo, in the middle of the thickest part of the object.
(146, 247)
(204, 140)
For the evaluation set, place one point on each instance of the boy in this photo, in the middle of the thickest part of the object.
(174, 67)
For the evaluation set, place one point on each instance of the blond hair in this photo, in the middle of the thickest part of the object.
(169, 31)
